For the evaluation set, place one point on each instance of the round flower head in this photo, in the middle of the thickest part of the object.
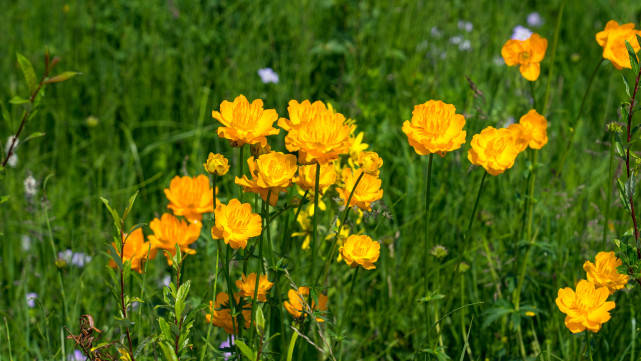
(586, 308)
(370, 162)
(612, 39)
(368, 189)
(297, 299)
(190, 197)
(360, 250)
(535, 129)
(220, 314)
(236, 223)
(520, 134)
(135, 250)
(435, 128)
(270, 172)
(317, 133)
(495, 149)
(216, 164)
(247, 286)
(170, 231)
(306, 178)
(528, 54)
(244, 122)
(603, 273)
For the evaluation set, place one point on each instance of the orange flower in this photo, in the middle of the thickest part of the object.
(521, 136)
(435, 128)
(245, 123)
(613, 39)
(216, 164)
(270, 172)
(370, 162)
(135, 250)
(360, 250)
(297, 299)
(604, 273)
(190, 197)
(585, 308)
(220, 315)
(317, 133)
(495, 149)
(535, 129)
(236, 223)
(528, 54)
(368, 189)
(247, 286)
(170, 231)
(306, 178)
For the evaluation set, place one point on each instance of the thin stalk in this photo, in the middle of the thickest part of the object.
(122, 292)
(476, 204)
(610, 190)
(533, 93)
(426, 249)
(555, 42)
(240, 170)
(178, 323)
(213, 296)
(348, 310)
(627, 164)
(230, 294)
(315, 218)
(261, 267)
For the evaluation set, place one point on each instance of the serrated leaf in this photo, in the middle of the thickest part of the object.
(245, 350)
(18, 100)
(29, 73)
(62, 77)
(180, 299)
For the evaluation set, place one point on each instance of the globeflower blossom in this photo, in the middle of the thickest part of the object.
(604, 273)
(494, 149)
(272, 172)
(190, 197)
(220, 314)
(370, 163)
(535, 129)
(244, 122)
(236, 223)
(528, 54)
(135, 250)
(247, 286)
(612, 39)
(435, 128)
(367, 191)
(170, 231)
(306, 178)
(586, 308)
(298, 303)
(360, 250)
(216, 164)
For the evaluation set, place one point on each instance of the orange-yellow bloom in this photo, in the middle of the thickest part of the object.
(135, 250)
(360, 250)
(297, 300)
(494, 149)
(245, 123)
(220, 315)
(216, 164)
(528, 54)
(170, 231)
(535, 129)
(585, 308)
(190, 197)
(236, 223)
(370, 162)
(306, 178)
(316, 132)
(367, 191)
(435, 128)
(613, 39)
(270, 172)
(247, 286)
(604, 273)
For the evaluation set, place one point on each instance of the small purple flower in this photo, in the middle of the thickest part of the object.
(76, 355)
(268, 75)
(465, 25)
(521, 33)
(435, 32)
(456, 39)
(26, 242)
(227, 344)
(534, 19)
(78, 259)
(465, 45)
(31, 299)
(166, 281)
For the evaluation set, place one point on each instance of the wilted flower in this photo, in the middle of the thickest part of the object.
(236, 223)
(370, 162)
(604, 273)
(360, 250)
(521, 33)
(296, 300)
(135, 250)
(528, 54)
(190, 197)
(494, 149)
(367, 191)
(245, 123)
(435, 128)
(31, 299)
(220, 314)
(247, 286)
(306, 178)
(534, 19)
(268, 75)
(216, 164)
(585, 308)
(613, 39)
(30, 186)
(170, 231)
(271, 172)
(535, 129)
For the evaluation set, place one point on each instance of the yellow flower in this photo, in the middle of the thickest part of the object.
(270, 172)
(317, 133)
(306, 178)
(216, 164)
(435, 128)
(357, 144)
(236, 223)
(135, 250)
(301, 297)
(604, 273)
(494, 149)
(520, 135)
(245, 123)
(528, 54)
(220, 315)
(247, 286)
(585, 308)
(613, 39)
(370, 162)
(368, 189)
(360, 250)
(170, 231)
(190, 197)
(535, 128)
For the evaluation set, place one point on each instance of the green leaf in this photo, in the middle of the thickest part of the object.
(165, 329)
(34, 136)
(290, 348)
(634, 61)
(114, 255)
(29, 73)
(114, 214)
(627, 86)
(181, 296)
(245, 350)
(132, 199)
(168, 351)
(62, 77)
(18, 100)
(260, 320)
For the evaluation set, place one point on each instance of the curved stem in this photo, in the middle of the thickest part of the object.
(426, 236)
(627, 163)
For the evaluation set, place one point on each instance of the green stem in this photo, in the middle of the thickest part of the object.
(315, 218)
(348, 309)
(292, 343)
(261, 267)
(230, 293)
(476, 204)
(555, 42)
(533, 93)
(240, 170)
(426, 248)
